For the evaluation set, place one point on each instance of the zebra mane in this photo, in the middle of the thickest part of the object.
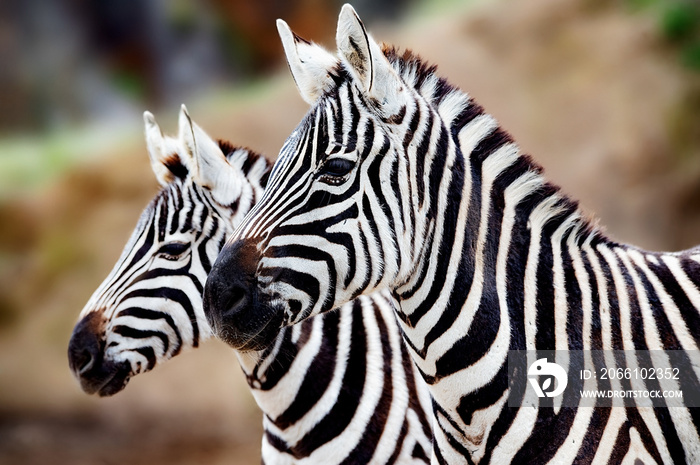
(251, 157)
(242, 158)
(423, 77)
(415, 71)
(458, 109)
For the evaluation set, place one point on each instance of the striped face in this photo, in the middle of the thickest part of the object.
(149, 307)
(332, 223)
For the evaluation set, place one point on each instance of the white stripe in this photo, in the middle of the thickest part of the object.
(525, 419)
(690, 288)
(538, 218)
(679, 415)
(626, 328)
(680, 329)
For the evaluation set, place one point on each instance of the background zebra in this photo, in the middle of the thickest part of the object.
(395, 179)
(327, 397)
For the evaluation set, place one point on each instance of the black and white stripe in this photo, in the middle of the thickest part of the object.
(336, 389)
(400, 181)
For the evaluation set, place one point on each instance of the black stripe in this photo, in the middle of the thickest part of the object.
(150, 356)
(456, 444)
(278, 369)
(134, 333)
(175, 210)
(162, 219)
(363, 452)
(146, 314)
(594, 434)
(176, 295)
(689, 313)
(145, 247)
(375, 237)
(611, 292)
(635, 420)
(317, 378)
(466, 116)
(574, 302)
(485, 397)
(548, 435)
(422, 150)
(545, 337)
(339, 417)
(596, 325)
(413, 401)
(195, 200)
(373, 173)
(367, 259)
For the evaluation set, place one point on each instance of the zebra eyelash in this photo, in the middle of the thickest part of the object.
(337, 167)
(173, 250)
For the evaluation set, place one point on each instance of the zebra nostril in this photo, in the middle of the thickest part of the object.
(83, 362)
(85, 347)
(82, 356)
(236, 301)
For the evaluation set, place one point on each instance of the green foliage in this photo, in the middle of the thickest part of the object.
(129, 83)
(691, 55)
(679, 20)
(679, 23)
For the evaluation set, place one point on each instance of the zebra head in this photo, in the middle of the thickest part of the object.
(149, 308)
(330, 225)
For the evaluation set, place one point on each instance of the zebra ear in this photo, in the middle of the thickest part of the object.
(161, 150)
(364, 58)
(309, 63)
(210, 168)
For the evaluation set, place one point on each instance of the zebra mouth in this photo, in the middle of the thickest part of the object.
(256, 334)
(105, 380)
(118, 381)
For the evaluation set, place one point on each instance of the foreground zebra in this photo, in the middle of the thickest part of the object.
(397, 180)
(327, 397)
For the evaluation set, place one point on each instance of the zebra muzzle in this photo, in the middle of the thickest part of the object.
(231, 301)
(86, 359)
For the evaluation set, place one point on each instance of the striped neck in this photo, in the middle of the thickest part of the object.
(482, 214)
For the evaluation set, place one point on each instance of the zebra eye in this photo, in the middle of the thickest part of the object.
(337, 167)
(173, 250)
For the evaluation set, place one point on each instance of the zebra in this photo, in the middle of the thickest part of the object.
(395, 179)
(326, 397)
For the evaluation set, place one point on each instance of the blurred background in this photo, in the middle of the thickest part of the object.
(606, 95)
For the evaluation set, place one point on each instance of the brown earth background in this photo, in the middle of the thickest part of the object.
(598, 92)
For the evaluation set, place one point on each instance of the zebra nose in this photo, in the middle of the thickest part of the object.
(85, 347)
(225, 297)
(229, 293)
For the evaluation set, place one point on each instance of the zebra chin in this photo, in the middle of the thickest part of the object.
(233, 306)
(248, 340)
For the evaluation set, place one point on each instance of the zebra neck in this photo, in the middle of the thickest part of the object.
(493, 228)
